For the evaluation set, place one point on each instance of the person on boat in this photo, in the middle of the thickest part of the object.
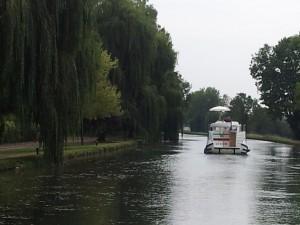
(227, 119)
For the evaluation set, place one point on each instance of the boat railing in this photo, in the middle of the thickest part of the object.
(244, 127)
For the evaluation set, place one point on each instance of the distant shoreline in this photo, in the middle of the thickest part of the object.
(273, 138)
(195, 133)
(260, 137)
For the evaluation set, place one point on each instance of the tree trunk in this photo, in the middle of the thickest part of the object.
(81, 133)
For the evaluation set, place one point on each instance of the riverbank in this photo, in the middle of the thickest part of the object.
(195, 133)
(273, 138)
(18, 158)
(260, 137)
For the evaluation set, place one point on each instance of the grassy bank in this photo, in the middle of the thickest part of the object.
(195, 133)
(91, 151)
(26, 157)
(273, 138)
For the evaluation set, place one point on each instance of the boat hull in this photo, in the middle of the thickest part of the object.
(211, 149)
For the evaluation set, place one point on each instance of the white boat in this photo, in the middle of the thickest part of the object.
(226, 136)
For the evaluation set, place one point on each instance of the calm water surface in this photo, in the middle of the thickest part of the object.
(172, 184)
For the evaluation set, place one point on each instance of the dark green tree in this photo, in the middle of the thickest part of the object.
(50, 61)
(147, 62)
(241, 107)
(201, 101)
(276, 70)
(129, 34)
(174, 95)
(44, 79)
(261, 122)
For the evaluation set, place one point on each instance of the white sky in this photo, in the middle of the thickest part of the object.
(216, 38)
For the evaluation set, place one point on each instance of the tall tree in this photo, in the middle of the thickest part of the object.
(51, 58)
(105, 101)
(146, 65)
(42, 41)
(276, 70)
(297, 96)
(104, 104)
(241, 107)
(200, 103)
(261, 122)
(129, 34)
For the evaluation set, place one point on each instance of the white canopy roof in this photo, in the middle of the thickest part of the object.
(219, 109)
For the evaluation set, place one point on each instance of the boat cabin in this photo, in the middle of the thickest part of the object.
(223, 126)
(226, 135)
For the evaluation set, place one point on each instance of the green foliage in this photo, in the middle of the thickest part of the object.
(261, 122)
(201, 101)
(44, 82)
(10, 132)
(54, 71)
(146, 78)
(130, 36)
(174, 95)
(258, 119)
(106, 100)
(276, 70)
(244, 109)
(241, 107)
(297, 96)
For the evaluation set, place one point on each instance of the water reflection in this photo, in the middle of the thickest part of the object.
(171, 184)
(278, 190)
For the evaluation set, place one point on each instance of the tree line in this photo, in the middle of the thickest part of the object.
(243, 108)
(276, 70)
(71, 65)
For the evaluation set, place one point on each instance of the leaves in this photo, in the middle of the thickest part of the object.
(55, 71)
(241, 107)
(44, 82)
(151, 91)
(277, 71)
(200, 103)
(106, 100)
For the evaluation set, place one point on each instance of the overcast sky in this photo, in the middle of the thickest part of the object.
(216, 38)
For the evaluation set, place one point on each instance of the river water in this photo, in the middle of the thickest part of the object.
(174, 184)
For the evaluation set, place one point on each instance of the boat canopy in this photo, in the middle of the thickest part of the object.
(219, 109)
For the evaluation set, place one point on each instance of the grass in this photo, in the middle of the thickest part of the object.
(13, 153)
(267, 137)
(26, 157)
(88, 151)
(273, 138)
(195, 133)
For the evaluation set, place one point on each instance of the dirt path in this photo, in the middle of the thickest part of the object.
(23, 149)
(35, 144)
(21, 145)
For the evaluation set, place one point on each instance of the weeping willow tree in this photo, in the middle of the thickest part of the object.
(130, 37)
(104, 105)
(50, 59)
(48, 64)
(146, 59)
(105, 101)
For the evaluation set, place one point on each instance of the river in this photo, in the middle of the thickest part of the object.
(174, 184)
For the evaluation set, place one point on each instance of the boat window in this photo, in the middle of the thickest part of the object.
(220, 129)
(236, 128)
